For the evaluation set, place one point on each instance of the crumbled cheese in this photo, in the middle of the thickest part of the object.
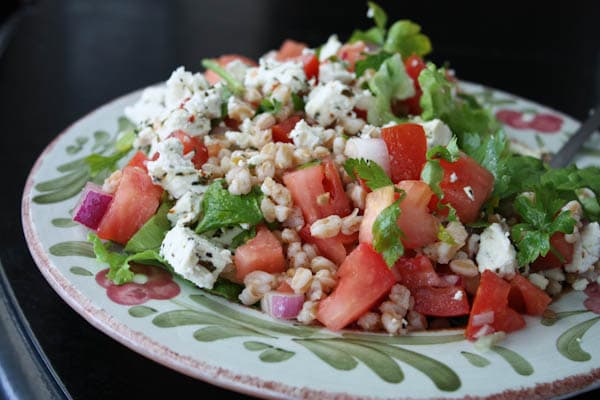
(237, 69)
(182, 85)
(370, 132)
(205, 103)
(330, 48)
(271, 73)
(186, 209)
(330, 102)
(305, 135)
(586, 251)
(538, 280)
(580, 284)
(437, 133)
(453, 177)
(173, 171)
(182, 119)
(496, 252)
(332, 71)
(442, 252)
(194, 257)
(148, 108)
(144, 138)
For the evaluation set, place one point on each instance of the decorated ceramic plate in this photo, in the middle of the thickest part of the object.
(242, 349)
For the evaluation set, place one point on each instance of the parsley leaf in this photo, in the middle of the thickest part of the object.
(378, 15)
(432, 172)
(369, 171)
(269, 106)
(298, 102)
(405, 37)
(99, 163)
(532, 236)
(376, 34)
(221, 208)
(119, 271)
(387, 235)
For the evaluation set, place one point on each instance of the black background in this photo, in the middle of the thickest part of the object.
(69, 57)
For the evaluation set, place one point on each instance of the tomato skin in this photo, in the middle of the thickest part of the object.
(223, 60)
(135, 201)
(261, 253)
(407, 147)
(448, 301)
(192, 143)
(311, 65)
(527, 298)
(550, 260)
(414, 65)
(364, 279)
(281, 131)
(290, 49)
(416, 272)
(138, 160)
(308, 184)
(466, 172)
(332, 248)
(419, 226)
(352, 52)
(492, 295)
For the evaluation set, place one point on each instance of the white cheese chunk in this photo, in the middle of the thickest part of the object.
(586, 251)
(496, 252)
(305, 135)
(148, 108)
(437, 133)
(182, 85)
(182, 119)
(173, 171)
(330, 102)
(186, 209)
(332, 71)
(330, 48)
(194, 257)
(271, 73)
(205, 103)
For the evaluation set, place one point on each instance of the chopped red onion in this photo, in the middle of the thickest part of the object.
(282, 305)
(92, 206)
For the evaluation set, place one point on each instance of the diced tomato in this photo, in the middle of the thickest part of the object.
(507, 320)
(311, 65)
(352, 52)
(375, 203)
(290, 49)
(284, 287)
(364, 279)
(225, 59)
(550, 260)
(360, 113)
(419, 226)
(416, 272)
(281, 131)
(407, 146)
(261, 253)
(466, 186)
(134, 202)
(332, 248)
(231, 123)
(318, 191)
(441, 301)
(192, 143)
(414, 65)
(138, 160)
(527, 298)
(492, 295)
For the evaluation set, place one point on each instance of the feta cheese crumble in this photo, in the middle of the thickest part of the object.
(194, 257)
(330, 102)
(586, 251)
(436, 132)
(271, 73)
(496, 252)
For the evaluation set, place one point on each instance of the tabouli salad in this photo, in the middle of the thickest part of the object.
(353, 185)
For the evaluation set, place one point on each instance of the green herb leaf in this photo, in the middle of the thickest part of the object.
(390, 82)
(405, 37)
(374, 35)
(371, 61)
(272, 106)
(98, 163)
(119, 271)
(378, 15)
(445, 237)
(450, 152)
(223, 209)
(226, 289)
(242, 238)
(298, 102)
(387, 235)
(233, 84)
(369, 171)
(432, 174)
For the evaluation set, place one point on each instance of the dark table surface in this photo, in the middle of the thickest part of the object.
(69, 57)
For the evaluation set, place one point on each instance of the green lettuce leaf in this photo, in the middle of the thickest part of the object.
(152, 233)
(405, 37)
(368, 170)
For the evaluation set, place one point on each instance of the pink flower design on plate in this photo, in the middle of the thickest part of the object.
(158, 284)
(592, 303)
(542, 122)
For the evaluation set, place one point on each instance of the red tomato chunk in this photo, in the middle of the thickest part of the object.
(527, 298)
(364, 280)
(192, 143)
(441, 301)
(407, 146)
(134, 202)
(261, 253)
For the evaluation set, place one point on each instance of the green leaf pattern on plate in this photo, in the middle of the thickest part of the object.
(73, 248)
(475, 359)
(141, 311)
(569, 343)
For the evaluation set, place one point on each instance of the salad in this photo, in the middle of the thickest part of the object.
(353, 185)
